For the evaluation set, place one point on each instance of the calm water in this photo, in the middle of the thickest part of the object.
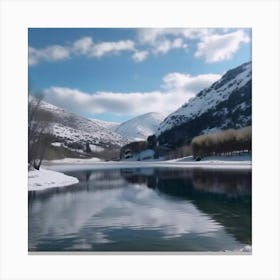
(144, 210)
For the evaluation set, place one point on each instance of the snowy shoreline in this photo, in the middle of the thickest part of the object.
(229, 163)
(43, 179)
(51, 175)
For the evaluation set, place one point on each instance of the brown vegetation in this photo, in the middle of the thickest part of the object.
(223, 143)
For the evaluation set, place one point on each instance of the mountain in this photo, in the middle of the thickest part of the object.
(76, 131)
(110, 125)
(225, 104)
(140, 127)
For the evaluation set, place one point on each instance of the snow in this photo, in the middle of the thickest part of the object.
(147, 154)
(244, 249)
(98, 135)
(207, 99)
(72, 161)
(42, 179)
(95, 148)
(110, 125)
(56, 144)
(227, 163)
(140, 127)
(70, 128)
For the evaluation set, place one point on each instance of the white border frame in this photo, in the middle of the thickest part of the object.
(262, 16)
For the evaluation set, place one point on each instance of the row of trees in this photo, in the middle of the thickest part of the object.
(222, 143)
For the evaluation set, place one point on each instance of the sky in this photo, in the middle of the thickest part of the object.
(115, 74)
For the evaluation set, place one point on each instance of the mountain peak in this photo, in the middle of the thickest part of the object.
(140, 127)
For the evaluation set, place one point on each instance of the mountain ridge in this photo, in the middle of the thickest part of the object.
(69, 128)
(225, 104)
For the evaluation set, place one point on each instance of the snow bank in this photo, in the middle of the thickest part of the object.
(242, 162)
(244, 249)
(221, 165)
(72, 161)
(44, 179)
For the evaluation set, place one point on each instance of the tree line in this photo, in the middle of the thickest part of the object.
(222, 143)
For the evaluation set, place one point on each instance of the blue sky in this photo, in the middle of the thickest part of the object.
(114, 74)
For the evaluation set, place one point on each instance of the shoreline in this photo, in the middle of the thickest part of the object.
(220, 165)
(52, 173)
(43, 179)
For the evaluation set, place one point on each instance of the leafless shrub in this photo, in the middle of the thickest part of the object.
(223, 143)
(39, 134)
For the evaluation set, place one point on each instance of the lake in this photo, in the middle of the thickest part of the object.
(144, 210)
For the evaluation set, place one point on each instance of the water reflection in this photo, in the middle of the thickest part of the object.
(224, 195)
(143, 210)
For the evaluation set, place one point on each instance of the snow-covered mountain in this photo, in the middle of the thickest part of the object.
(73, 130)
(225, 104)
(110, 125)
(140, 127)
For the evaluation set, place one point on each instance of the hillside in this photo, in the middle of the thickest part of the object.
(75, 131)
(140, 127)
(225, 104)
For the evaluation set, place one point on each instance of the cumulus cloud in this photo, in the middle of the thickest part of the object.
(140, 56)
(51, 53)
(165, 45)
(212, 44)
(186, 82)
(159, 39)
(218, 47)
(153, 35)
(177, 89)
(83, 46)
(103, 48)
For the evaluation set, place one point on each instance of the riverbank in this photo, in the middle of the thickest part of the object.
(242, 162)
(51, 175)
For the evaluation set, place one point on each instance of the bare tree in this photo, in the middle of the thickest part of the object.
(39, 135)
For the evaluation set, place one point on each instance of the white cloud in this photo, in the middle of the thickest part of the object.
(165, 45)
(218, 47)
(103, 48)
(51, 53)
(83, 45)
(140, 56)
(212, 44)
(160, 41)
(186, 82)
(177, 90)
(152, 35)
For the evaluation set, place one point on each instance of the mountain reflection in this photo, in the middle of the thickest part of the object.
(224, 195)
(167, 203)
(229, 183)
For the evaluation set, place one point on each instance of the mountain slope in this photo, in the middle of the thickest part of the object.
(140, 127)
(73, 130)
(110, 125)
(225, 104)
